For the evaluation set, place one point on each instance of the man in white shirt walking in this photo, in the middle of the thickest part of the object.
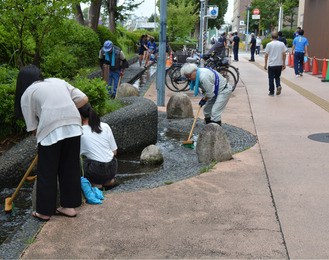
(275, 54)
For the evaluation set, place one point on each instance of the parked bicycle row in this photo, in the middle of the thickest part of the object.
(215, 59)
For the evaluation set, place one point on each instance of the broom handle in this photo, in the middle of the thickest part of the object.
(196, 117)
(118, 87)
(24, 178)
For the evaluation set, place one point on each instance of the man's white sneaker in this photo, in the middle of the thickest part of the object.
(297, 76)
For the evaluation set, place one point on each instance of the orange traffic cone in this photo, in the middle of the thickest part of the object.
(289, 59)
(307, 66)
(324, 68)
(292, 60)
(315, 70)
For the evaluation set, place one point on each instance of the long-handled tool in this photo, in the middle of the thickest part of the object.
(118, 86)
(9, 200)
(190, 143)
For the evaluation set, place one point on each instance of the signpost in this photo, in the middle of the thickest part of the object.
(256, 15)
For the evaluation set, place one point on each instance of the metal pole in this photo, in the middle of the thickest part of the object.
(161, 64)
(280, 19)
(201, 26)
(247, 31)
(155, 14)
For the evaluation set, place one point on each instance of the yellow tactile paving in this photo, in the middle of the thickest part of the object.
(307, 94)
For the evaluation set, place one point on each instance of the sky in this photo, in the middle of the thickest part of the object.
(147, 9)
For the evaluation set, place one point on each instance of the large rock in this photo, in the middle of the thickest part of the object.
(179, 106)
(151, 155)
(212, 145)
(127, 90)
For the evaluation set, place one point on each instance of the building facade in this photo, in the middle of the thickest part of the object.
(239, 14)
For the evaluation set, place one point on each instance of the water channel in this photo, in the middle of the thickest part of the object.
(179, 163)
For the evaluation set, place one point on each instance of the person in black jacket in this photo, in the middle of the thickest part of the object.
(252, 47)
(113, 63)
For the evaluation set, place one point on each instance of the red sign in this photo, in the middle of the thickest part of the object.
(256, 11)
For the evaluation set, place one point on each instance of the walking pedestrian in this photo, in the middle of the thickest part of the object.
(141, 49)
(252, 47)
(216, 91)
(258, 44)
(50, 110)
(112, 59)
(275, 57)
(235, 45)
(299, 49)
(282, 39)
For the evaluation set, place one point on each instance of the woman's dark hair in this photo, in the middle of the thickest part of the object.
(94, 122)
(26, 77)
(142, 37)
(152, 40)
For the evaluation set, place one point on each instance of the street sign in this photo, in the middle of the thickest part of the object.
(256, 11)
(255, 16)
(212, 12)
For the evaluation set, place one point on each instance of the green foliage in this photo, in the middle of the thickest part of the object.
(29, 22)
(104, 34)
(179, 25)
(95, 89)
(265, 42)
(289, 42)
(76, 47)
(9, 124)
(288, 33)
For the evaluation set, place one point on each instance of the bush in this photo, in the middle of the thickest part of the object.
(76, 47)
(95, 89)
(104, 35)
(288, 33)
(265, 42)
(289, 42)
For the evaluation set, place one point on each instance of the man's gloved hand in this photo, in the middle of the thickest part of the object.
(202, 102)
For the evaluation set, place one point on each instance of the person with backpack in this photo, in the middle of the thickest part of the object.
(113, 63)
(235, 45)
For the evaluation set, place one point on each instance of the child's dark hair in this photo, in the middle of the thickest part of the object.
(93, 119)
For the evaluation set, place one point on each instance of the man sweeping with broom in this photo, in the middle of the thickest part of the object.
(215, 90)
(113, 63)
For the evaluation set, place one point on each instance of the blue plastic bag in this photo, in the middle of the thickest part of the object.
(305, 59)
(89, 192)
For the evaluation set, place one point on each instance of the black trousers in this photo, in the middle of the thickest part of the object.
(274, 73)
(235, 52)
(60, 160)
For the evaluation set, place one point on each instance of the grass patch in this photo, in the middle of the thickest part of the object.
(168, 182)
(112, 105)
(208, 168)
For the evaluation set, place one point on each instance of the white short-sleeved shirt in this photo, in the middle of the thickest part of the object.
(275, 49)
(98, 147)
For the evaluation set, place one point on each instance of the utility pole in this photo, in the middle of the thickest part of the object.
(161, 64)
(247, 38)
(155, 15)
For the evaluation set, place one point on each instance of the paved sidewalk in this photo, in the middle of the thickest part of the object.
(268, 202)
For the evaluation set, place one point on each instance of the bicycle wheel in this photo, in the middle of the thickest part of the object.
(229, 76)
(168, 77)
(178, 81)
(236, 72)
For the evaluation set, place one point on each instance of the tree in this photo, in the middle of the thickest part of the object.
(269, 13)
(181, 17)
(28, 22)
(289, 10)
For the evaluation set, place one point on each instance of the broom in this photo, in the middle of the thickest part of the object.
(190, 143)
(9, 200)
(118, 87)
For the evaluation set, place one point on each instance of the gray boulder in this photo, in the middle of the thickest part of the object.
(151, 155)
(127, 90)
(212, 145)
(179, 106)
